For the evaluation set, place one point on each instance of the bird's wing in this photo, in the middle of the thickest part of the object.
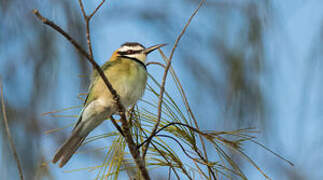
(90, 96)
(95, 77)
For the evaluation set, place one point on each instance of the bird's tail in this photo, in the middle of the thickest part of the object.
(79, 133)
(66, 151)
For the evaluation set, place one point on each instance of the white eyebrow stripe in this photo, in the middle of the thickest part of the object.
(134, 48)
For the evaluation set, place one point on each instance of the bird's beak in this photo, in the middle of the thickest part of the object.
(152, 48)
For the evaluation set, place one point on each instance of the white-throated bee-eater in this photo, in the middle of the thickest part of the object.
(126, 71)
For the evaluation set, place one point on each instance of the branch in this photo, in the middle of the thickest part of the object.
(87, 20)
(116, 125)
(125, 125)
(82, 9)
(96, 9)
(162, 88)
(189, 156)
(211, 172)
(155, 63)
(165, 158)
(180, 145)
(171, 124)
(60, 30)
(12, 145)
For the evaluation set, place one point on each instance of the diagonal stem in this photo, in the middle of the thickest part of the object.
(12, 145)
(162, 88)
(211, 172)
(87, 20)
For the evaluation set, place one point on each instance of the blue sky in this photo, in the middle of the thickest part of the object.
(289, 38)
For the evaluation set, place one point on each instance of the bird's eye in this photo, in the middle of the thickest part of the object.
(129, 51)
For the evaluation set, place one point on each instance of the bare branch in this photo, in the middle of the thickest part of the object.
(12, 145)
(87, 24)
(162, 88)
(87, 20)
(155, 63)
(116, 125)
(60, 30)
(82, 9)
(96, 9)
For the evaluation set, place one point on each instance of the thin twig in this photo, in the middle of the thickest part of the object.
(87, 20)
(171, 124)
(12, 145)
(125, 125)
(200, 170)
(116, 125)
(155, 63)
(87, 27)
(131, 114)
(162, 88)
(211, 172)
(195, 149)
(60, 30)
(162, 154)
(187, 105)
(179, 143)
(82, 9)
(96, 9)
(184, 171)
(169, 173)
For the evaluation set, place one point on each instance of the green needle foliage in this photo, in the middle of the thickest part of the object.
(176, 145)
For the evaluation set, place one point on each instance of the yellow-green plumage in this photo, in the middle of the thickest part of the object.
(127, 77)
(127, 74)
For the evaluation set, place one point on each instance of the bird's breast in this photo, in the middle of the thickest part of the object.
(129, 80)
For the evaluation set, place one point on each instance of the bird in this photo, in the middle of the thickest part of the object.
(127, 73)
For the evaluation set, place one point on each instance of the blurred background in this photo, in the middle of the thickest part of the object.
(243, 64)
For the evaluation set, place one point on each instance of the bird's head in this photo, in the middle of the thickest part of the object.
(136, 50)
